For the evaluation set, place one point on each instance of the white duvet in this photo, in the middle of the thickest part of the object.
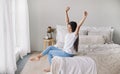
(73, 65)
(106, 57)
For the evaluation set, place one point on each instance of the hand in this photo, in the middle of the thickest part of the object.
(85, 13)
(67, 9)
(34, 59)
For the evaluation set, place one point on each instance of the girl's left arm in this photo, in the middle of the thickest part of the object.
(81, 22)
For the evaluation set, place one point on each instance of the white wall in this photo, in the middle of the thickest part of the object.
(52, 12)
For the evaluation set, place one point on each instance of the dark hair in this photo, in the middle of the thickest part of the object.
(74, 26)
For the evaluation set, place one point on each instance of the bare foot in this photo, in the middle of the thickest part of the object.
(35, 59)
(47, 69)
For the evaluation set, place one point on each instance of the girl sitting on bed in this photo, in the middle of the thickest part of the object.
(71, 42)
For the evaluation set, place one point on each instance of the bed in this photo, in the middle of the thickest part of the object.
(95, 43)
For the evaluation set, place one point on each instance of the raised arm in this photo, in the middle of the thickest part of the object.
(81, 22)
(66, 15)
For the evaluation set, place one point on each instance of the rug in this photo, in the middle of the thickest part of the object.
(36, 67)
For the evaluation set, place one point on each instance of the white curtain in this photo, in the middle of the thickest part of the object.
(7, 37)
(22, 27)
(14, 33)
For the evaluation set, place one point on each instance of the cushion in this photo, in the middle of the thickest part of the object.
(107, 32)
(61, 32)
(91, 39)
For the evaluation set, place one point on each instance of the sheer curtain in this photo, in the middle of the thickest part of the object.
(7, 38)
(14, 33)
(22, 27)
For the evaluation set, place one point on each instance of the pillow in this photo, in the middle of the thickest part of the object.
(83, 30)
(61, 32)
(107, 32)
(60, 36)
(91, 39)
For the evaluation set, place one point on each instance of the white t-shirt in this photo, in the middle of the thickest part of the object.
(69, 43)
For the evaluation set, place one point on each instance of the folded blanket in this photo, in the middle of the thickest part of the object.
(73, 65)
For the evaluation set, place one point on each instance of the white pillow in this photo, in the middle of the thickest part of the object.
(91, 39)
(61, 32)
(107, 32)
(60, 36)
(83, 30)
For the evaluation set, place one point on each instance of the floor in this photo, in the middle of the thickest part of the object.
(21, 63)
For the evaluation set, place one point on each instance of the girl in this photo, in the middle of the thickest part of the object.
(71, 42)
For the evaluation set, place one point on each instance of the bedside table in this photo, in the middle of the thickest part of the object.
(48, 42)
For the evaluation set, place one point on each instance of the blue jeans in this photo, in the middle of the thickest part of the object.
(52, 51)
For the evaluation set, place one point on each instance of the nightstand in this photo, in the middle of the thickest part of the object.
(48, 42)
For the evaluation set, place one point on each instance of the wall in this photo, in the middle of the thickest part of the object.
(44, 13)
